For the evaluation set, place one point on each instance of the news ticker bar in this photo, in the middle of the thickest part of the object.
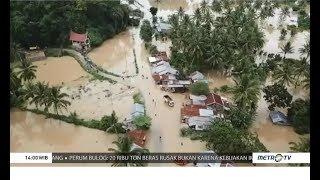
(159, 158)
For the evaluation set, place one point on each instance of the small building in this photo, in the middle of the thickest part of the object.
(196, 76)
(152, 60)
(217, 102)
(138, 136)
(199, 123)
(163, 79)
(80, 42)
(190, 111)
(164, 70)
(278, 118)
(137, 110)
(198, 100)
(35, 54)
(163, 27)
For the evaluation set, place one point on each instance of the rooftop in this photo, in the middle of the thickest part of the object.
(213, 99)
(191, 110)
(78, 37)
(138, 137)
(278, 117)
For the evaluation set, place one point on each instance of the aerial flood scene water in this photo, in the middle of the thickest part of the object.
(109, 81)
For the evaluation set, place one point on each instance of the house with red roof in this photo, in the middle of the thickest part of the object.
(195, 110)
(138, 136)
(217, 102)
(80, 41)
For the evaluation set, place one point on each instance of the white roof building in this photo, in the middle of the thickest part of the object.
(206, 112)
(196, 76)
(199, 123)
(137, 110)
(153, 60)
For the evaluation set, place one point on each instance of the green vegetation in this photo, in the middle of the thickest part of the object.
(277, 95)
(303, 21)
(199, 88)
(74, 119)
(299, 115)
(146, 31)
(142, 122)
(246, 91)
(48, 23)
(302, 146)
(239, 118)
(135, 61)
(125, 145)
(137, 98)
(222, 137)
(26, 71)
(204, 41)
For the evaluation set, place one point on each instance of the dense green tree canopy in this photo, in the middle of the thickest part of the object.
(277, 95)
(199, 88)
(222, 137)
(146, 31)
(204, 41)
(48, 23)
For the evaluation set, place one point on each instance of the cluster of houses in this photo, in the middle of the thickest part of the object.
(200, 111)
(166, 76)
(138, 136)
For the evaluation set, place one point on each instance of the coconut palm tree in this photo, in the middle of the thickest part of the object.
(216, 6)
(56, 99)
(15, 82)
(39, 92)
(305, 50)
(286, 49)
(125, 145)
(246, 92)
(301, 67)
(27, 71)
(284, 73)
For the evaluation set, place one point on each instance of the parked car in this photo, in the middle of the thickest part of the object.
(168, 100)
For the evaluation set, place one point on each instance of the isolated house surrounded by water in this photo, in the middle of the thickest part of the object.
(80, 41)
(279, 118)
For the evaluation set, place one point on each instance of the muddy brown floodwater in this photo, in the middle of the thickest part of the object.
(58, 70)
(116, 54)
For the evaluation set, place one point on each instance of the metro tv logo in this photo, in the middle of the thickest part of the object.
(276, 158)
(281, 157)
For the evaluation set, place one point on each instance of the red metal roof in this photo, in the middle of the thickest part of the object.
(213, 99)
(191, 110)
(138, 136)
(158, 77)
(78, 37)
